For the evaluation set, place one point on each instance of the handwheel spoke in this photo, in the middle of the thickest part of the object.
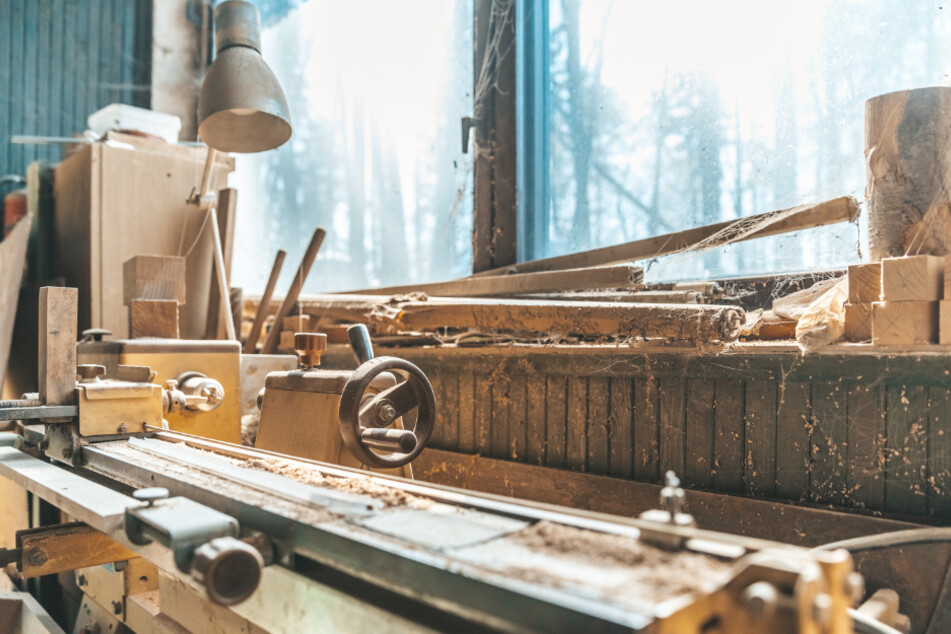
(401, 397)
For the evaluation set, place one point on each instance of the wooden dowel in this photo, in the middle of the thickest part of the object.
(250, 346)
(274, 337)
(221, 277)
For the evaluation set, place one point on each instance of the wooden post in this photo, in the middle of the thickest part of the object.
(57, 345)
(274, 337)
(250, 345)
(908, 172)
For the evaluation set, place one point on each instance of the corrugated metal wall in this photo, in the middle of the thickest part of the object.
(61, 60)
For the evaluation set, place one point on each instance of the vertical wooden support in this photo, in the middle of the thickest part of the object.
(866, 476)
(518, 405)
(621, 427)
(556, 421)
(698, 469)
(598, 425)
(467, 442)
(57, 354)
(793, 439)
(830, 447)
(576, 422)
(536, 435)
(729, 435)
(227, 205)
(673, 391)
(761, 438)
(646, 430)
(499, 434)
(906, 449)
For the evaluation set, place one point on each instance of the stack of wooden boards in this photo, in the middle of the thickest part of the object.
(899, 301)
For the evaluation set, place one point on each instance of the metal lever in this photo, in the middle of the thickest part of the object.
(360, 342)
(384, 439)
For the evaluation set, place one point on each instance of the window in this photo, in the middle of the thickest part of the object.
(664, 116)
(376, 92)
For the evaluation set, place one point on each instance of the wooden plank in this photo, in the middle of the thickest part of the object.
(760, 421)
(626, 276)
(227, 212)
(153, 277)
(904, 323)
(793, 441)
(865, 283)
(944, 322)
(866, 430)
(939, 453)
(577, 423)
(646, 430)
(68, 547)
(536, 439)
(153, 318)
(844, 209)
(499, 428)
(729, 437)
(482, 416)
(438, 437)
(830, 451)
(669, 321)
(621, 425)
(672, 424)
(448, 406)
(913, 278)
(598, 404)
(467, 412)
(518, 424)
(57, 345)
(556, 394)
(698, 469)
(906, 445)
(13, 252)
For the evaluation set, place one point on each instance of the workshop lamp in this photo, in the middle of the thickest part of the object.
(241, 108)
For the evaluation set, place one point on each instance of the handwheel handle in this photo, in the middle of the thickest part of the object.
(415, 392)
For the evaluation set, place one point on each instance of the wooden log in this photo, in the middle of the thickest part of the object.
(912, 278)
(251, 343)
(153, 318)
(670, 321)
(153, 277)
(908, 172)
(625, 276)
(273, 337)
(843, 209)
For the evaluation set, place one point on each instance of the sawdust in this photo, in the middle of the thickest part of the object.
(360, 485)
(651, 574)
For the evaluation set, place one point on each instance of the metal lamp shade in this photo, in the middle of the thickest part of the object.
(241, 107)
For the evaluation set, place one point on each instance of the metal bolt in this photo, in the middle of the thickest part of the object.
(386, 413)
(822, 609)
(760, 599)
(81, 580)
(37, 557)
(116, 607)
(67, 453)
(122, 428)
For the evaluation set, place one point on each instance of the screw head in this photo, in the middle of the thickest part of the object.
(122, 428)
(37, 557)
(150, 495)
(386, 413)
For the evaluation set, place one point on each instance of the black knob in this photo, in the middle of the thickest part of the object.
(360, 342)
(229, 569)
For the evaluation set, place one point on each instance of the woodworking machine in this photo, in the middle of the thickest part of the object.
(170, 531)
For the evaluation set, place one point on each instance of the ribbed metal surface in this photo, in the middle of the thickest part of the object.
(61, 60)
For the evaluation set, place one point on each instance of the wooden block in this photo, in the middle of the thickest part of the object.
(858, 322)
(154, 318)
(947, 278)
(904, 323)
(920, 277)
(154, 277)
(300, 323)
(865, 283)
(944, 330)
(287, 341)
(57, 345)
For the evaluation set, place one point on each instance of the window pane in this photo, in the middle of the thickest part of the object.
(376, 92)
(666, 116)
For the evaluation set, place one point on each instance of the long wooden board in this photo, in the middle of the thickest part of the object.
(843, 209)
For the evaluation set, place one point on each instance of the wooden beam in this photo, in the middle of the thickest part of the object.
(52, 549)
(618, 276)
(57, 345)
(669, 321)
(843, 209)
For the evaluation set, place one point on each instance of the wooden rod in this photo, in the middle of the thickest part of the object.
(274, 337)
(843, 209)
(222, 280)
(250, 346)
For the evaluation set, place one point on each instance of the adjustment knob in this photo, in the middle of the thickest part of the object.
(150, 495)
(95, 334)
(229, 569)
(309, 347)
(90, 371)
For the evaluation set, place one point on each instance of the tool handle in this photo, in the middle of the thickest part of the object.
(395, 440)
(360, 342)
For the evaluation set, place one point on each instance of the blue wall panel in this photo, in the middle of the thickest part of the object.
(61, 60)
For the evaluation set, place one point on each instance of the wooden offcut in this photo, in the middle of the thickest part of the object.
(843, 209)
(57, 345)
(944, 321)
(904, 323)
(858, 321)
(68, 547)
(154, 318)
(919, 277)
(153, 277)
(865, 283)
(908, 172)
